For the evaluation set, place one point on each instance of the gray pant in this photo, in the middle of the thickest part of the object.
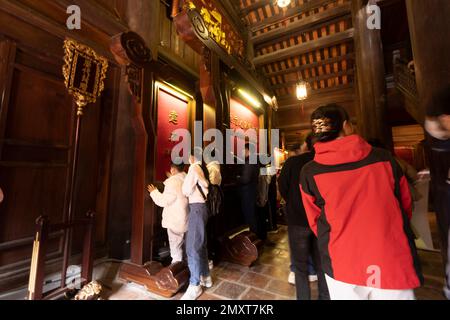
(196, 242)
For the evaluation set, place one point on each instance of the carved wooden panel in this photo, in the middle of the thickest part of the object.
(36, 140)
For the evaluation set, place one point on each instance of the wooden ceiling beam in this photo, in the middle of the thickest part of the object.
(255, 6)
(303, 24)
(314, 79)
(287, 37)
(303, 48)
(349, 56)
(340, 93)
(297, 126)
(288, 14)
(231, 10)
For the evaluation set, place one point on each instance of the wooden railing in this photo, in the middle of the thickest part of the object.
(405, 82)
(37, 271)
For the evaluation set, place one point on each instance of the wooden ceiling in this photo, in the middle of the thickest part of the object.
(310, 40)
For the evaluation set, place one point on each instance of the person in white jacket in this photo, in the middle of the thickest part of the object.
(196, 188)
(175, 212)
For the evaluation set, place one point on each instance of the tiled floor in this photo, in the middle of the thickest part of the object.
(266, 280)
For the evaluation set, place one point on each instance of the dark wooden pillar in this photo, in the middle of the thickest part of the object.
(429, 26)
(132, 54)
(143, 18)
(121, 200)
(210, 84)
(371, 78)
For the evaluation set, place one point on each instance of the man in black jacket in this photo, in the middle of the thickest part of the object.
(302, 241)
(437, 125)
(248, 184)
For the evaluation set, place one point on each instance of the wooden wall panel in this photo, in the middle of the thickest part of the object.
(40, 108)
(171, 42)
(34, 159)
(37, 121)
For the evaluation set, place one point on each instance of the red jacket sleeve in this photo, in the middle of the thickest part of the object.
(405, 196)
(312, 210)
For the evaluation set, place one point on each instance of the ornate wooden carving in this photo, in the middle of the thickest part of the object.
(405, 82)
(209, 22)
(243, 249)
(207, 78)
(81, 63)
(194, 31)
(129, 50)
(134, 80)
(162, 281)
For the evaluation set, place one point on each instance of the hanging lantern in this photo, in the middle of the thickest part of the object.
(283, 3)
(302, 90)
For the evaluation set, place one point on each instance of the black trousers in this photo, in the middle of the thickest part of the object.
(263, 214)
(248, 207)
(440, 187)
(303, 244)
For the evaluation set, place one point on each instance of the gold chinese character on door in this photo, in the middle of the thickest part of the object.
(173, 117)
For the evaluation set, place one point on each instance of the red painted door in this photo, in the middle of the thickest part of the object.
(172, 114)
(242, 117)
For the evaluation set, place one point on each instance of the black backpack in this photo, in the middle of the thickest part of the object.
(215, 197)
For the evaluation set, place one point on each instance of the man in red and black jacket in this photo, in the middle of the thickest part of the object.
(359, 206)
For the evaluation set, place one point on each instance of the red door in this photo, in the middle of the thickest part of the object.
(242, 117)
(172, 114)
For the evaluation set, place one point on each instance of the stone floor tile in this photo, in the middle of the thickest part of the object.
(255, 294)
(281, 288)
(230, 290)
(255, 280)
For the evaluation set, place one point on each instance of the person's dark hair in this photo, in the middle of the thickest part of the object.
(377, 143)
(310, 140)
(328, 121)
(179, 167)
(439, 104)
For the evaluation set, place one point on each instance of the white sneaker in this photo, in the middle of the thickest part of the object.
(192, 293)
(313, 278)
(291, 278)
(206, 281)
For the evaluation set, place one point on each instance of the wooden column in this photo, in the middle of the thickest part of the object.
(371, 81)
(143, 18)
(132, 54)
(210, 84)
(429, 26)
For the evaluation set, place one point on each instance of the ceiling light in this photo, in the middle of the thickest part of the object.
(267, 99)
(283, 3)
(252, 100)
(302, 90)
